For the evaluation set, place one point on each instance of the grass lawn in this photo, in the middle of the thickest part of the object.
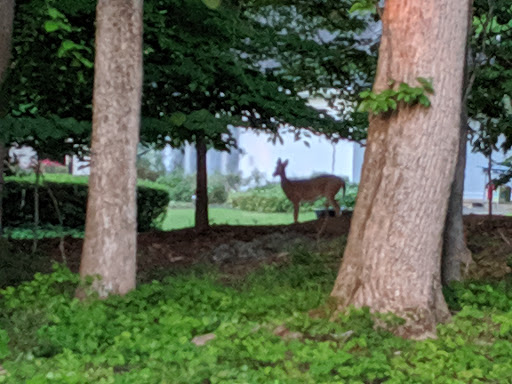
(183, 218)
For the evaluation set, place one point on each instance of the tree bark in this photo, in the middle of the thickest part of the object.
(3, 154)
(392, 261)
(455, 251)
(201, 215)
(490, 186)
(109, 248)
(6, 25)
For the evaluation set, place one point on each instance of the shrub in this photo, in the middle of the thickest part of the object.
(71, 194)
(271, 198)
(181, 186)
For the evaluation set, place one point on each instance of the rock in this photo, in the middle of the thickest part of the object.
(203, 339)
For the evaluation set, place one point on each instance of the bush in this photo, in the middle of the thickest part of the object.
(271, 198)
(182, 186)
(71, 195)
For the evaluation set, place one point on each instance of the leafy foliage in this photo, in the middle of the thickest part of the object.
(271, 198)
(182, 186)
(491, 77)
(145, 337)
(389, 99)
(71, 194)
(191, 85)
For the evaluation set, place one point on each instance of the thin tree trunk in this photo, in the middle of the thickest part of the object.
(3, 155)
(490, 187)
(6, 25)
(201, 222)
(392, 261)
(35, 230)
(110, 242)
(62, 247)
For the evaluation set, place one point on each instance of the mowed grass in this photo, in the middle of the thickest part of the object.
(184, 217)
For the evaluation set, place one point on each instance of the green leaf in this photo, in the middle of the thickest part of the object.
(55, 14)
(392, 104)
(86, 62)
(382, 105)
(426, 84)
(68, 45)
(51, 26)
(178, 119)
(212, 4)
(363, 106)
(423, 100)
(363, 6)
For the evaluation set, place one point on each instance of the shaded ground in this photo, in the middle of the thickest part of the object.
(239, 249)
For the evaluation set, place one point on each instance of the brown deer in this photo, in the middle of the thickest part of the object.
(309, 189)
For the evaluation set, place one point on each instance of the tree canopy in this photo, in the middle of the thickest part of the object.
(491, 77)
(203, 69)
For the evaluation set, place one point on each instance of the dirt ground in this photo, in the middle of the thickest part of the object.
(240, 249)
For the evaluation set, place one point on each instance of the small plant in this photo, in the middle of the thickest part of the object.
(389, 99)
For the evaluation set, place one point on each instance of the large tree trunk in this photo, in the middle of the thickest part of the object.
(111, 227)
(6, 25)
(392, 262)
(201, 223)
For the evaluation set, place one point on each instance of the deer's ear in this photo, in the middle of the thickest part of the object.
(285, 163)
(279, 161)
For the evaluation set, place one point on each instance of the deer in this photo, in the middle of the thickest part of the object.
(309, 189)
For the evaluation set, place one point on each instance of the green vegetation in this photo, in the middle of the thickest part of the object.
(271, 198)
(177, 218)
(389, 99)
(182, 186)
(70, 193)
(183, 218)
(263, 332)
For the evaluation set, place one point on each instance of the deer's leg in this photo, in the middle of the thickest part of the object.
(336, 206)
(295, 212)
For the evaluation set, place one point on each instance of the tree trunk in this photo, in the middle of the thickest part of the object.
(111, 227)
(6, 25)
(490, 186)
(455, 251)
(3, 154)
(6, 21)
(201, 186)
(392, 262)
(35, 229)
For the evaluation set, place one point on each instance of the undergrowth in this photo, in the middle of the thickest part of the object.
(47, 336)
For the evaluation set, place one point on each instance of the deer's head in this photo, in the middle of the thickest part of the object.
(280, 167)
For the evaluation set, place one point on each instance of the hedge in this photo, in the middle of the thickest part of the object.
(271, 198)
(71, 194)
